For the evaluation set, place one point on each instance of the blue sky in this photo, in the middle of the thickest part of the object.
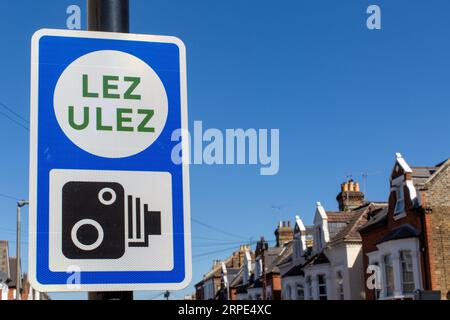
(344, 98)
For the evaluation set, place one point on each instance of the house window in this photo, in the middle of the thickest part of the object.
(300, 292)
(389, 275)
(377, 290)
(340, 285)
(322, 287)
(298, 250)
(400, 204)
(407, 272)
(288, 293)
(309, 288)
(319, 238)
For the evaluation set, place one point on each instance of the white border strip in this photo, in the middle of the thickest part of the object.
(34, 105)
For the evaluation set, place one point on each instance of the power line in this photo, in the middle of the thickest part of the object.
(217, 229)
(156, 296)
(14, 113)
(8, 197)
(209, 245)
(15, 121)
(200, 241)
(211, 252)
(210, 239)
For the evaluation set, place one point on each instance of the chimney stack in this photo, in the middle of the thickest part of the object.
(284, 233)
(350, 196)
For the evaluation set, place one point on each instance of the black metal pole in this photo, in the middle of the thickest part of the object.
(109, 16)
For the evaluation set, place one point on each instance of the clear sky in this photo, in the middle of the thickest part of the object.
(345, 99)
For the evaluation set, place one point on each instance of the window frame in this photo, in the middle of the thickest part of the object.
(322, 296)
(319, 238)
(389, 287)
(399, 198)
(340, 294)
(309, 287)
(288, 294)
(377, 291)
(297, 286)
(407, 264)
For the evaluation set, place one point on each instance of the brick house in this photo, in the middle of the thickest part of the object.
(238, 286)
(211, 287)
(8, 289)
(331, 267)
(406, 246)
(292, 274)
(334, 269)
(249, 282)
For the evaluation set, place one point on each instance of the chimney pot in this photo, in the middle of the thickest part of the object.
(344, 186)
(357, 186)
(350, 186)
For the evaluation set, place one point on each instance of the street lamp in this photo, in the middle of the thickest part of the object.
(20, 204)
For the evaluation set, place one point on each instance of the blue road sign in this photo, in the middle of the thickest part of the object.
(109, 204)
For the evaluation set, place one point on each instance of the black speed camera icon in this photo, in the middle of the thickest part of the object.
(93, 221)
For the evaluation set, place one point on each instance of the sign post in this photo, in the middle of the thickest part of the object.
(111, 16)
(106, 197)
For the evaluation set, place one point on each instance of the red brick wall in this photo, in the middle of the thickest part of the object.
(438, 226)
(370, 238)
(275, 282)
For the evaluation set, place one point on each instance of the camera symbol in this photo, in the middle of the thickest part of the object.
(94, 220)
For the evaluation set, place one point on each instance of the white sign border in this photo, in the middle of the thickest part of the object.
(34, 103)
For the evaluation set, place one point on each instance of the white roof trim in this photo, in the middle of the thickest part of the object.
(438, 171)
(300, 224)
(402, 162)
(320, 212)
(412, 190)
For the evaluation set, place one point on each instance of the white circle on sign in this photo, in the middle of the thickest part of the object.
(110, 104)
(101, 196)
(87, 247)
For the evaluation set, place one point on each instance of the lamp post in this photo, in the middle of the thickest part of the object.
(20, 204)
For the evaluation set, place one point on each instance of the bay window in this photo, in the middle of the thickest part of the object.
(407, 271)
(309, 288)
(339, 286)
(388, 275)
(322, 287)
(300, 292)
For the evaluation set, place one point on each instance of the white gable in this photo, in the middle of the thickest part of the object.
(320, 215)
(320, 223)
(402, 163)
(299, 225)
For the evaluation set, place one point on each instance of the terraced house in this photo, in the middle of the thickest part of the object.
(332, 267)
(406, 246)
(215, 284)
(399, 249)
